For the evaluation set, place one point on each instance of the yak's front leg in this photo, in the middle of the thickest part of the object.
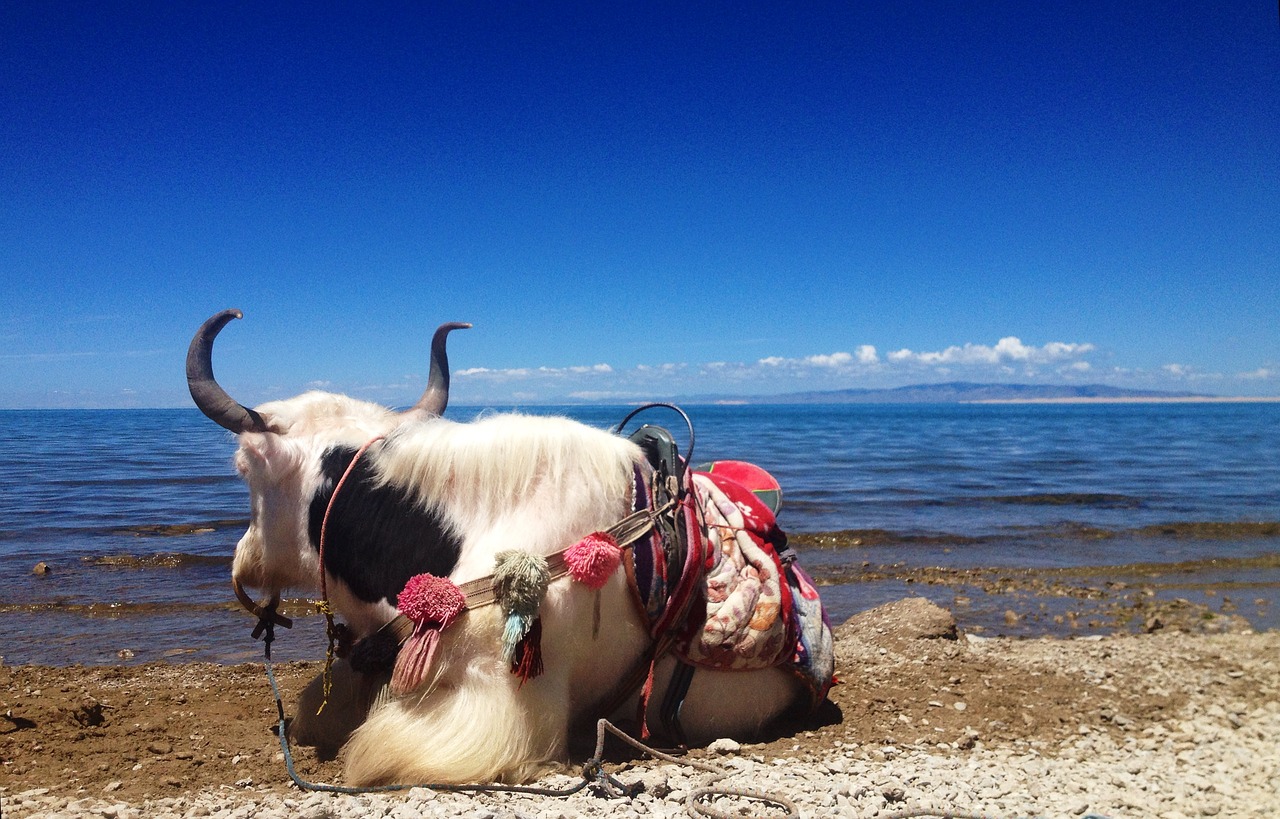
(470, 721)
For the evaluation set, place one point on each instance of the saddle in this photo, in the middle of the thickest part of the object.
(716, 582)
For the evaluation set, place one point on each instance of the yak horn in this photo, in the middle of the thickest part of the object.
(436, 396)
(212, 400)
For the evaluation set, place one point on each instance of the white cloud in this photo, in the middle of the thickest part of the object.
(1009, 349)
(1007, 359)
(494, 375)
(866, 354)
(516, 373)
(832, 360)
(1260, 374)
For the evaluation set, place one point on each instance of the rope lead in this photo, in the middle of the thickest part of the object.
(331, 631)
(593, 771)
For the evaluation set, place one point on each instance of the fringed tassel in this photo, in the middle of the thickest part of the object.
(527, 660)
(415, 659)
(331, 631)
(514, 631)
(432, 603)
(520, 582)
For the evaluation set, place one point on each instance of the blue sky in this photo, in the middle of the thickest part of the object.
(637, 200)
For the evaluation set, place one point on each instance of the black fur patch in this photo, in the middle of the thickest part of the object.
(377, 538)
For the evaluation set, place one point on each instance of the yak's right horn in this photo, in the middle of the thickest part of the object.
(436, 396)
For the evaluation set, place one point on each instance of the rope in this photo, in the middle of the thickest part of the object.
(324, 523)
(694, 800)
(593, 773)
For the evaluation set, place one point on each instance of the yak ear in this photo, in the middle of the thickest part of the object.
(266, 452)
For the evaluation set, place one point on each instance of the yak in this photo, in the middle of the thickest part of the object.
(490, 552)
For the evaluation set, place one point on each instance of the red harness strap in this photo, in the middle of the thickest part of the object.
(324, 523)
(339, 636)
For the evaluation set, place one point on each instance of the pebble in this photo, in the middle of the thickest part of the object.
(724, 746)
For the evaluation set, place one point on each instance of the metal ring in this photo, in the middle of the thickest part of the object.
(267, 612)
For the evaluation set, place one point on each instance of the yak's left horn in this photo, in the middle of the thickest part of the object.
(436, 396)
(212, 400)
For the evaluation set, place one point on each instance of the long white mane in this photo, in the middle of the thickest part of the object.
(542, 481)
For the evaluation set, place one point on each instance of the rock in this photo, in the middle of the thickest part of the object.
(902, 621)
(655, 782)
(89, 713)
(723, 746)
(41, 568)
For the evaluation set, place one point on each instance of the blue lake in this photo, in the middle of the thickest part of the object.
(137, 512)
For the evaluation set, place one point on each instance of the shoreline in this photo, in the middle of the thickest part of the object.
(1189, 399)
(1172, 723)
(992, 600)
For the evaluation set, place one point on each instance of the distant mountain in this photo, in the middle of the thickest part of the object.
(953, 392)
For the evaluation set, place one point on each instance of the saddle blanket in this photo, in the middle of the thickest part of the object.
(753, 606)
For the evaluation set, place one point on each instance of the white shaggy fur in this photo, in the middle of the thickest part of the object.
(501, 482)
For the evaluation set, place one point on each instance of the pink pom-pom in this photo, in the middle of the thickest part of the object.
(430, 599)
(432, 603)
(592, 559)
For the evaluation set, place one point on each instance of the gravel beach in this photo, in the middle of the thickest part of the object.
(925, 721)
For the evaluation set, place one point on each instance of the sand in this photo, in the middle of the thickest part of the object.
(1172, 723)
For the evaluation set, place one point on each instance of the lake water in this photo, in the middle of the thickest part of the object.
(137, 512)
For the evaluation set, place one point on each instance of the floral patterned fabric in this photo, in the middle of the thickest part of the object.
(744, 597)
(755, 608)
